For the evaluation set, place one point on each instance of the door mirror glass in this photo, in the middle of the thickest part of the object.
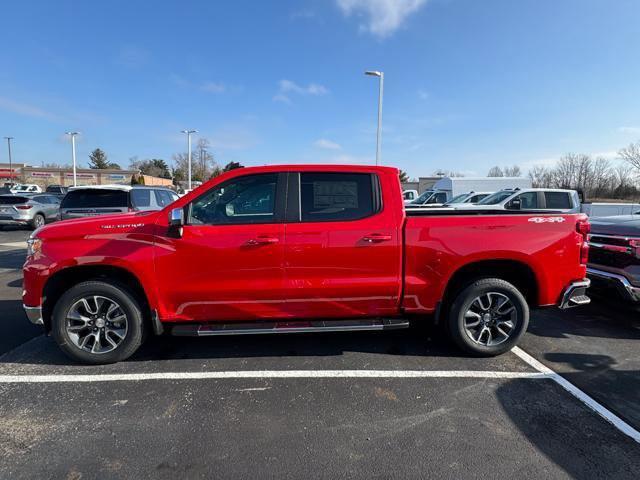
(176, 217)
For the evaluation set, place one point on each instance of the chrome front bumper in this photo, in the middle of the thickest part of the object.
(34, 314)
(575, 294)
(620, 282)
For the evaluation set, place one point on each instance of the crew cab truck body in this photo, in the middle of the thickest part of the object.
(284, 249)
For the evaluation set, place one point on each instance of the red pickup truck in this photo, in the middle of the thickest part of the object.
(283, 249)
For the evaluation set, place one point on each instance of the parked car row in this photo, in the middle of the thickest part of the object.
(60, 203)
(559, 200)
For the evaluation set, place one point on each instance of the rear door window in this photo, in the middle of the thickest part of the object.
(557, 200)
(141, 198)
(335, 196)
(88, 198)
(163, 197)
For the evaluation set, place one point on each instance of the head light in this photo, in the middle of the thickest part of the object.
(34, 246)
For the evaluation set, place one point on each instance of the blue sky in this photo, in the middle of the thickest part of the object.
(468, 83)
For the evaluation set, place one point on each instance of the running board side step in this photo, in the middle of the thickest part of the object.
(250, 328)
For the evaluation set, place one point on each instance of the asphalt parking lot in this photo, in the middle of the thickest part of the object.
(402, 404)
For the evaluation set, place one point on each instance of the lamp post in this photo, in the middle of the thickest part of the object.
(73, 154)
(189, 132)
(10, 161)
(380, 75)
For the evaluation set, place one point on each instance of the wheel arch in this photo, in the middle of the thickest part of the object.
(516, 272)
(66, 278)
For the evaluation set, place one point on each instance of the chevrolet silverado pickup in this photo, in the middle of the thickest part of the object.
(284, 249)
(614, 256)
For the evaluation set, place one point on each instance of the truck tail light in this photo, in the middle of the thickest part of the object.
(23, 207)
(583, 227)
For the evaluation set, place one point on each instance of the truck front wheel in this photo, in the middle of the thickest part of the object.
(488, 317)
(97, 322)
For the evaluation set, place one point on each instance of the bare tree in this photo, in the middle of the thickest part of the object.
(203, 165)
(541, 176)
(447, 173)
(631, 154)
(597, 178)
(495, 172)
(512, 171)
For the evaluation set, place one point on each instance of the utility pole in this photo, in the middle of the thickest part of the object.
(380, 75)
(73, 154)
(189, 132)
(10, 161)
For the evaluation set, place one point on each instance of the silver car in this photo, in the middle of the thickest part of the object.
(112, 199)
(29, 210)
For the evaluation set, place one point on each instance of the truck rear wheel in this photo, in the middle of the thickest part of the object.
(97, 322)
(488, 317)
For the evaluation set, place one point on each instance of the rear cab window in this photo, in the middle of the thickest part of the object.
(336, 196)
(13, 200)
(557, 200)
(96, 198)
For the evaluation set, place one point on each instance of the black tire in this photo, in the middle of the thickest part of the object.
(128, 305)
(38, 221)
(471, 302)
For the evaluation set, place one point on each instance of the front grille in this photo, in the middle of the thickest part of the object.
(621, 254)
(611, 259)
(608, 240)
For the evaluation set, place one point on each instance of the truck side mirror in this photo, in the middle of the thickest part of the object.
(176, 217)
(514, 204)
(176, 222)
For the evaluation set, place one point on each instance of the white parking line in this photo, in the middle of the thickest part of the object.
(118, 377)
(14, 244)
(601, 410)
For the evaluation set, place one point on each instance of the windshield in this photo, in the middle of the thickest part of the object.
(495, 198)
(424, 197)
(457, 199)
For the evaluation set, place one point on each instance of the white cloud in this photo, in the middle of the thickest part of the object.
(208, 86)
(132, 56)
(327, 144)
(25, 109)
(287, 87)
(213, 87)
(383, 17)
(631, 130)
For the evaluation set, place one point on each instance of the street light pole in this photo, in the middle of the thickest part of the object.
(189, 132)
(73, 154)
(10, 161)
(380, 75)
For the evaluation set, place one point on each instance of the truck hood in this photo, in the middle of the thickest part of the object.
(119, 223)
(627, 225)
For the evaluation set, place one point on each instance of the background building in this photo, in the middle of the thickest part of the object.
(45, 176)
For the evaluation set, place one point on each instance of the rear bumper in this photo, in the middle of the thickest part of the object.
(575, 294)
(5, 220)
(619, 282)
(34, 314)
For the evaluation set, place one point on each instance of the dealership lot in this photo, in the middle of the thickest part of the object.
(398, 404)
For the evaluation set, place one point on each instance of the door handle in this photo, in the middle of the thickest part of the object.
(377, 237)
(263, 240)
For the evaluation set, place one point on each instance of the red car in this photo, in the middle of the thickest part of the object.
(284, 249)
